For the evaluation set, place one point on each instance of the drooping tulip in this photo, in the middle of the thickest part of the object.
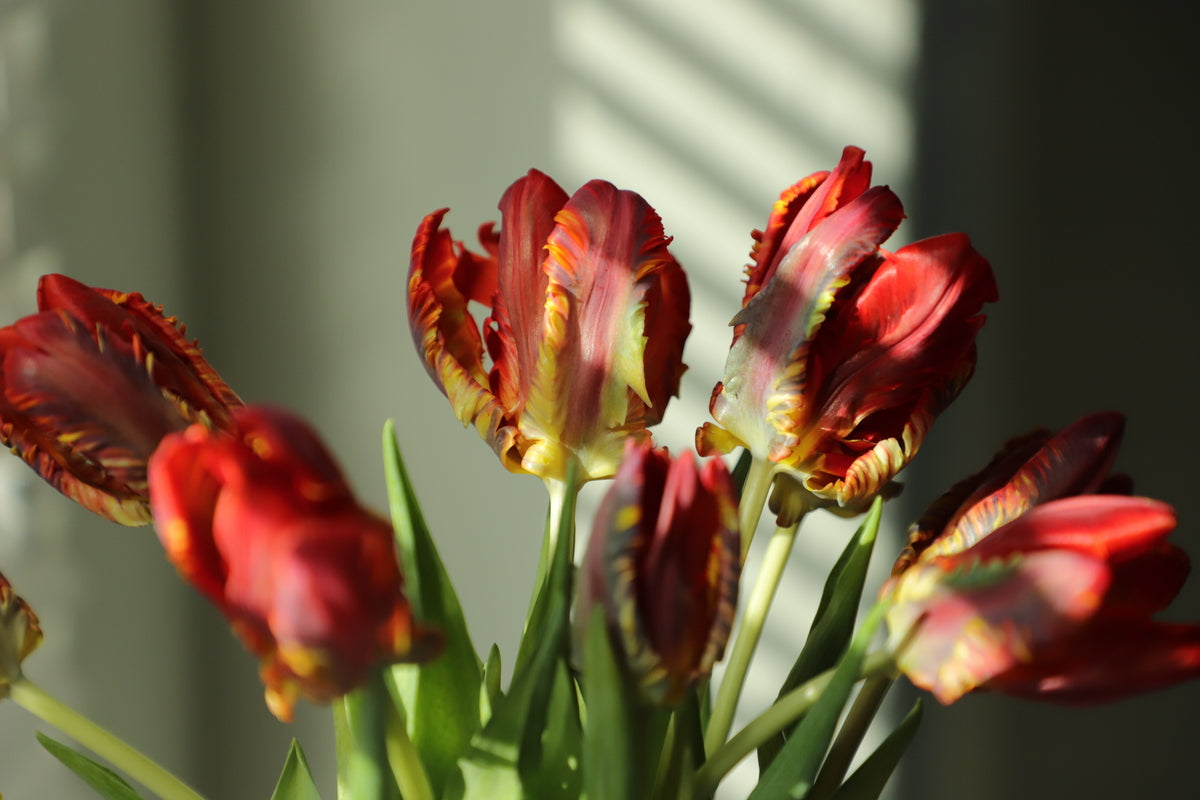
(261, 521)
(91, 384)
(1024, 579)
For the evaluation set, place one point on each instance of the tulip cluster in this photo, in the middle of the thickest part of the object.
(1040, 576)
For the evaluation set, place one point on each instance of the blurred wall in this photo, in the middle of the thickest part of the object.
(1062, 136)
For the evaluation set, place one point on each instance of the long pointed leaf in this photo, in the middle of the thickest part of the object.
(441, 698)
(867, 782)
(609, 765)
(107, 783)
(295, 781)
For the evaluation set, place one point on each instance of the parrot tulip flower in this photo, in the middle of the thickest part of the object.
(584, 343)
(91, 383)
(664, 560)
(1026, 581)
(261, 521)
(844, 353)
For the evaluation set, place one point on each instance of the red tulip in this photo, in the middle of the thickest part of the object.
(584, 343)
(844, 353)
(262, 522)
(1023, 580)
(664, 561)
(89, 386)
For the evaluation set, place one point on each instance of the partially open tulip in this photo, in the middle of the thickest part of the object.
(844, 353)
(664, 561)
(91, 384)
(20, 634)
(588, 316)
(262, 522)
(1025, 580)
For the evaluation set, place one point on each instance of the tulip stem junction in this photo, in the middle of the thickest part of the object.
(785, 711)
(115, 751)
(748, 634)
(753, 499)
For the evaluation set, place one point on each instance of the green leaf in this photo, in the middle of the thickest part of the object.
(833, 624)
(792, 772)
(610, 769)
(441, 697)
(107, 783)
(489, 690)
(531, 746)
(295, 782)
(868, 780)
(362, 744)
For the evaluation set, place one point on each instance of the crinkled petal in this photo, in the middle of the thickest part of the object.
(1073, 462)
(798, 210)
(1109, 527)
(446, 334)
(763, 399)
(180, 368)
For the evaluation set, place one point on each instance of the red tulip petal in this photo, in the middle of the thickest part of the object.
(930, 525)
(801, 208)
(183, 494)
(527, 208)
(1073, 462)
(979, 619)
(181, 367)
(1110, 527)
(605, 257)
(446, 334)
(1147, 583)
(1108, 661)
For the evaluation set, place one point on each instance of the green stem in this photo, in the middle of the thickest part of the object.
(754, 497)
(748, 634)
(854, 728)
(405, 761)
(120, 754)
(785, 711)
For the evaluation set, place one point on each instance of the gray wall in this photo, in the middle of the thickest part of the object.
(1062, 135)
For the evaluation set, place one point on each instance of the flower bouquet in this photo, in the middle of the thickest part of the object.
(1039, 576)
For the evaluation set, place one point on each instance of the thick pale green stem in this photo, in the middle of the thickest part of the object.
(104, 744)
(754, 497)
(785, 711)
(748, 634)
(407, 768)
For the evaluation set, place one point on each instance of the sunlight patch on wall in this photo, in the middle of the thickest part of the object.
(709, 110)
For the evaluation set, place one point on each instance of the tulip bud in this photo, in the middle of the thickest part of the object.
(664, 561)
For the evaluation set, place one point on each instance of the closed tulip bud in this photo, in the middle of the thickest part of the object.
(664, 561)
